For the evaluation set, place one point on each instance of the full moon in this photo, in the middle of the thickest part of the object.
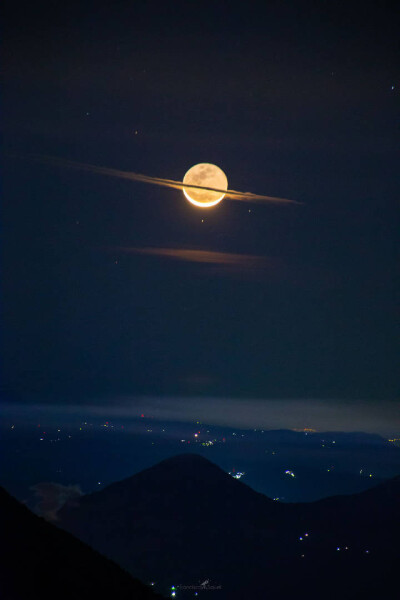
(209, 176)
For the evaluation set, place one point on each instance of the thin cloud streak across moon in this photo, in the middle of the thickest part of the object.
(170, 183)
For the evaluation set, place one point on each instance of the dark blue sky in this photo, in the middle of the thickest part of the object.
(299, 100)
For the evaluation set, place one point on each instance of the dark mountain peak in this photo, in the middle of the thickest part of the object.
(182, 512)
(174, 480)
(38, 560)
(187, 483)
(188, 465)
(185, 490)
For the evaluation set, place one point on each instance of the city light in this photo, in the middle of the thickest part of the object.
(237, 475)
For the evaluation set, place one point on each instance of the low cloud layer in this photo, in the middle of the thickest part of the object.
(52, 496)
(321, 414)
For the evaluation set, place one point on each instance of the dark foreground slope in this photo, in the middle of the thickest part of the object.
(185, 520)
(38, 560)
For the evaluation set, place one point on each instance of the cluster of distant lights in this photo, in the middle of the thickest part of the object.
(290, 473)
(195, 435)
(107, 425)
(172, 590)
(237, 474)
(305, 430)
(324, 443)
(395, 441)
(196, 438)
(338, 548)
(41, 439)
(206, 444)
(301, 539)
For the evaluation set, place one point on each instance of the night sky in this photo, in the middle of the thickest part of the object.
(113, 288)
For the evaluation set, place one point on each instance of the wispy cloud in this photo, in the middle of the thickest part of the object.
(216, 262)
(203, 256)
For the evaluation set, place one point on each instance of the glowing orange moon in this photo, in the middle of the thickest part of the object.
(208, 176)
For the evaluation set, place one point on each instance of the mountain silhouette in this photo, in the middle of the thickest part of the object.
(38, 560)
(185, 520)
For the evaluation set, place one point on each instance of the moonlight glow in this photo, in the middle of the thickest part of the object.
(208, 176)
